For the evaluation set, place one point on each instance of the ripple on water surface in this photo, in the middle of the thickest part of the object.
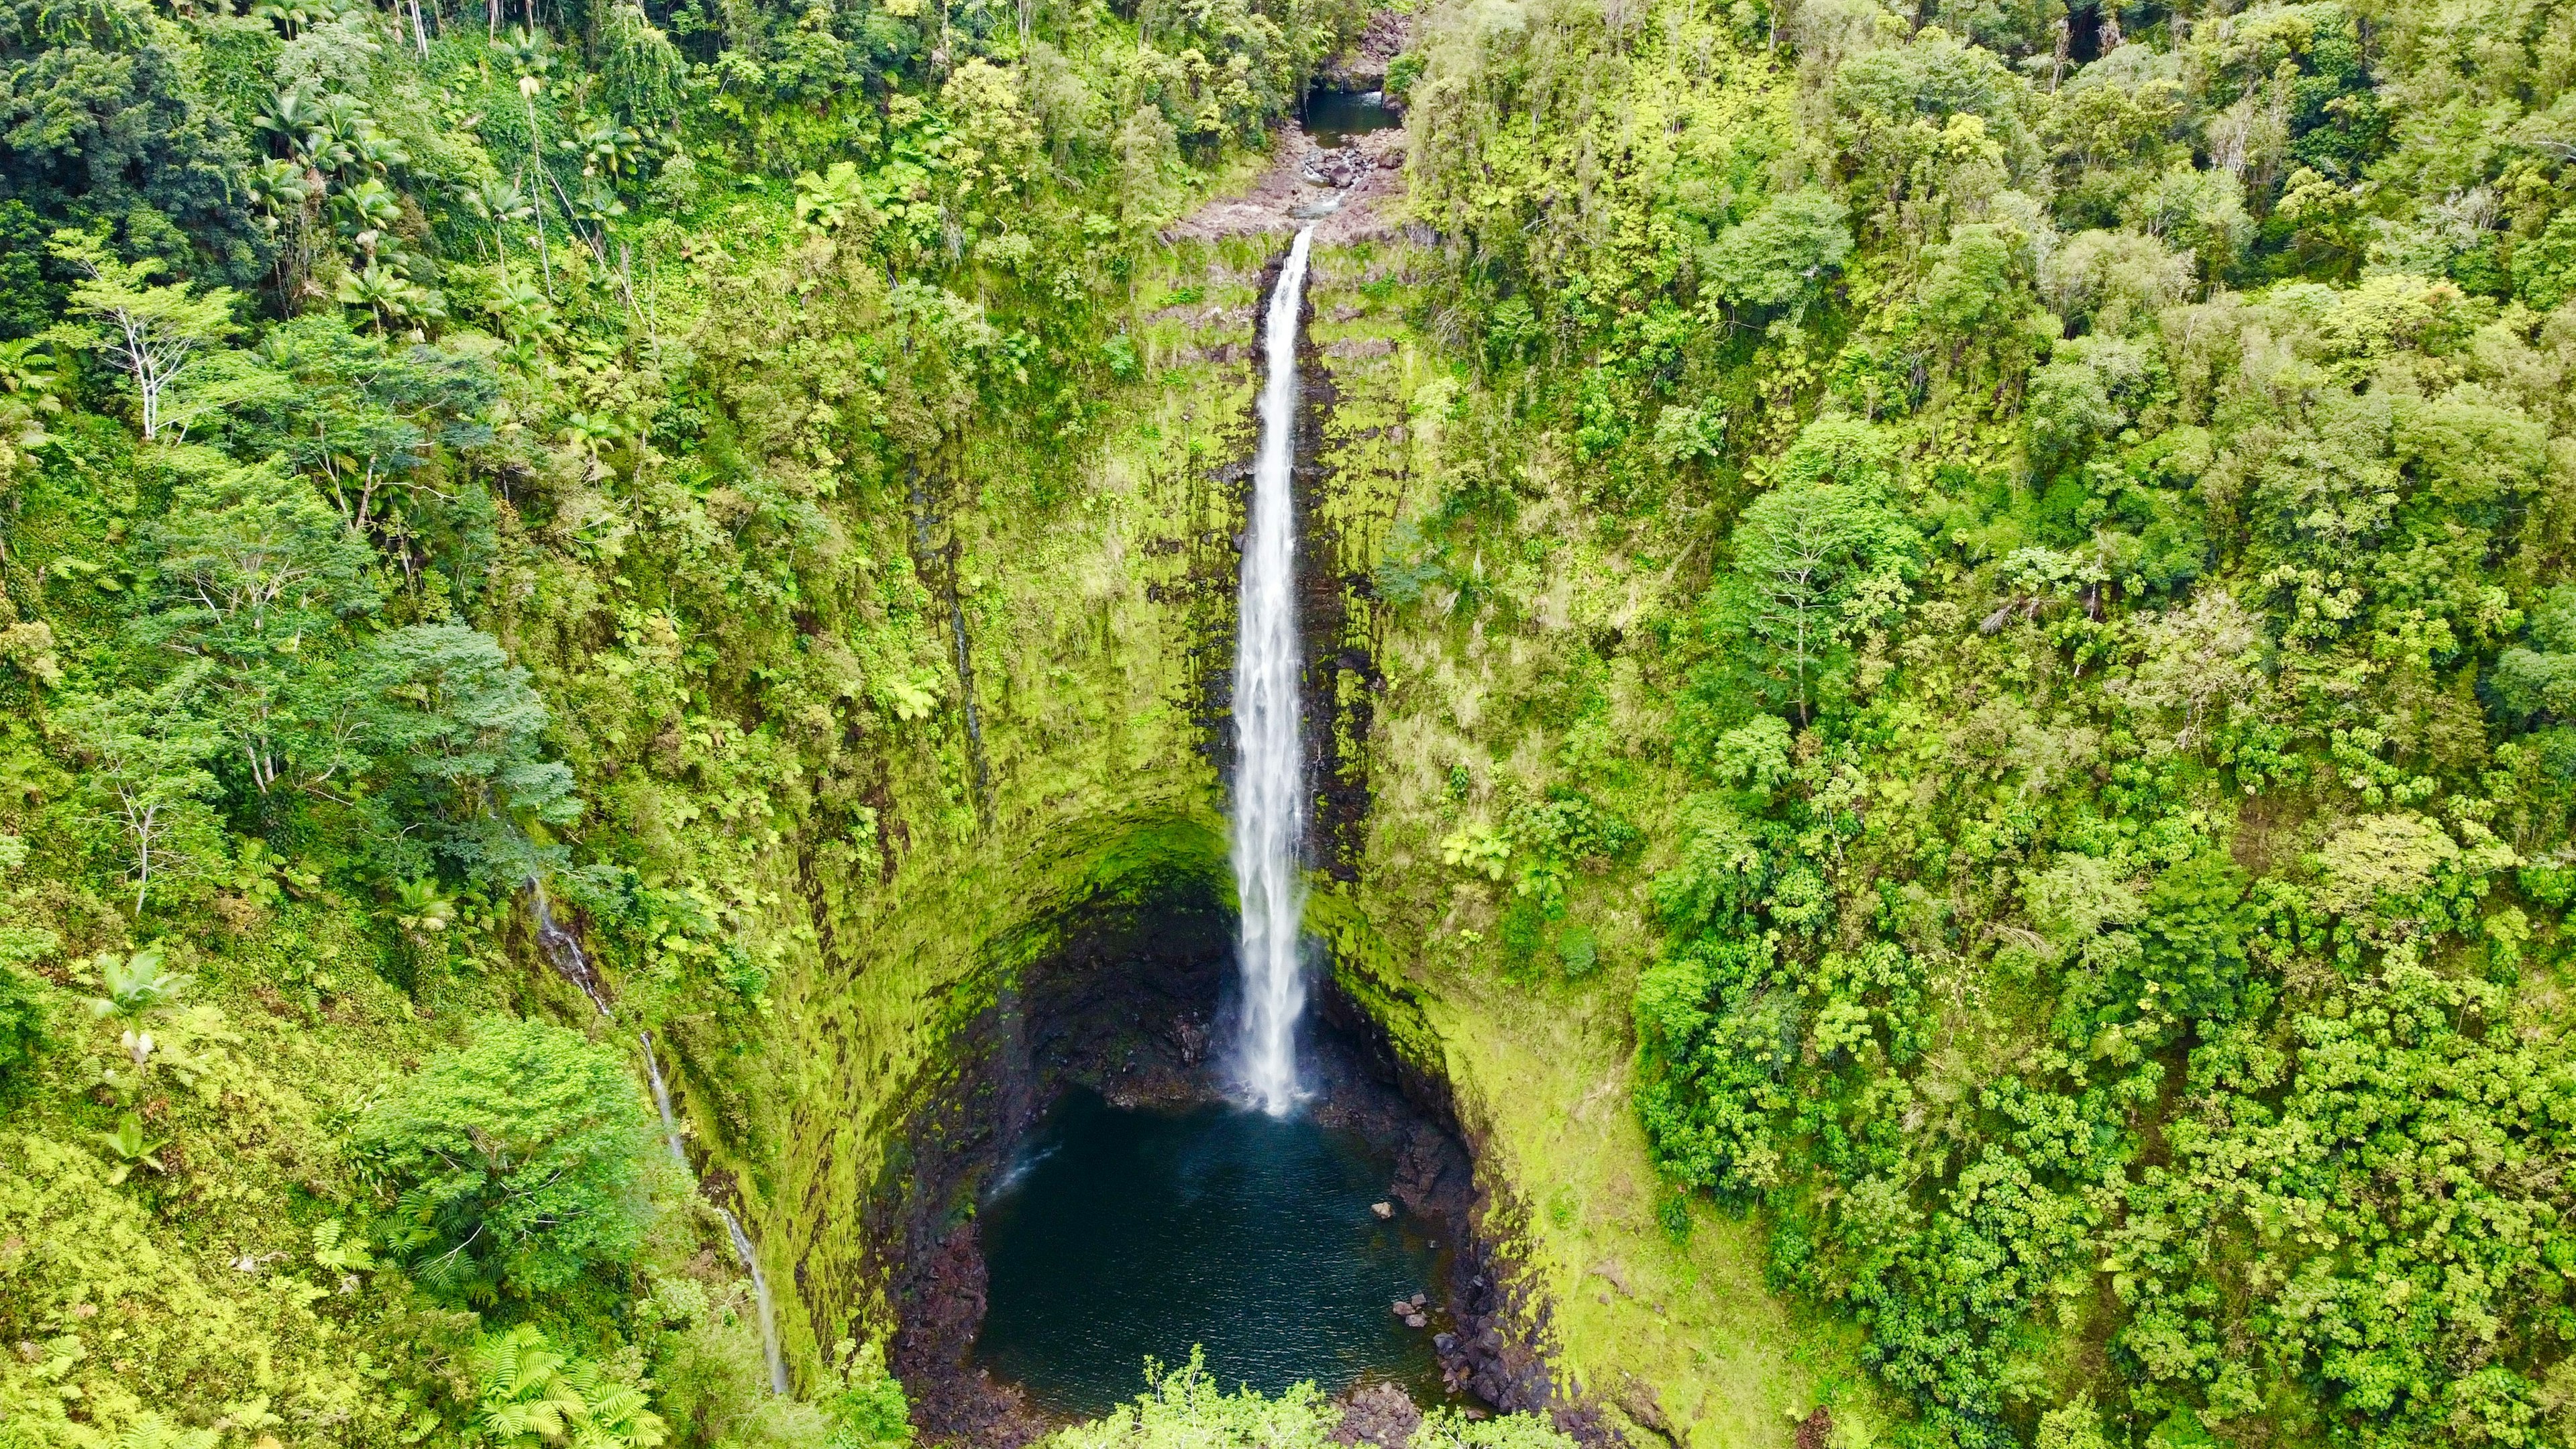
(1117, 1234)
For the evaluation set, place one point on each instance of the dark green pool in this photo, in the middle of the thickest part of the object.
(1334, 117)
(1118, 1234)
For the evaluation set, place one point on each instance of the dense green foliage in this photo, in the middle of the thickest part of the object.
(1186, 1407)
(519, 1162)
(2036, 546)
(2111, 829)
(449, 449)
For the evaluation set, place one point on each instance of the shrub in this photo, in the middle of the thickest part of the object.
(25, 1026)
(523, 1161)
(530, 1394)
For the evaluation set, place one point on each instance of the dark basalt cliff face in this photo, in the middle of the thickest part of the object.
(1135, 1007)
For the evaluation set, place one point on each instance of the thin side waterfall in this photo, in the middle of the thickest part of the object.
(563, 951)
(1269, 794)
(733, 1226)
(760, 1302)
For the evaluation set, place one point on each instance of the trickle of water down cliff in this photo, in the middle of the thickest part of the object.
(1269, 823)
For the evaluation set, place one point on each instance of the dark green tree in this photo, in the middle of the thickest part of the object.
(460, 736)
(104, 125)
(521, 1162)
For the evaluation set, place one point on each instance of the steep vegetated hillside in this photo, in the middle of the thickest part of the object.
(448, 451)
(2006, 569)
(1941, 645)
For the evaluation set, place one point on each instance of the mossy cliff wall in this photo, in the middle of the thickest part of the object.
(1094, 634)
(1098, 641)
(1100, 638)
(1100, 646)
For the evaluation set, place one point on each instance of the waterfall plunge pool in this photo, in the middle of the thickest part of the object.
(1082, 1188)
(1116, 1233)
(1334, 117)
(1268, 1239)
(1048, 1217)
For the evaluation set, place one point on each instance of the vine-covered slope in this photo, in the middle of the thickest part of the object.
(1945, 684)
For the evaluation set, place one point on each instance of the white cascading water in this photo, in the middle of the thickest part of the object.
(564, 952)
(1269, 795)
(742, 1249)
(563, 949)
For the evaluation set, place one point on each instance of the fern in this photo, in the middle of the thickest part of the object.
(151, 1431)
(533, 1395)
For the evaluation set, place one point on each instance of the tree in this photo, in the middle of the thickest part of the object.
(1186, 1406)
(1920, 122)
(522, 1161)
(1148, 151)
(150, 333)
(109, 128)
(247, 555)
(2068, 408)
(498, 204)
(2544, 268)
(367, 419)
(1780, 254)
(464, 733)
(1977, 290)
(644, 74)
(215, 389)
(146, 752)
(1821, 558)
(2536, 680)
(996, 141)
(256, 576)
(834, 199)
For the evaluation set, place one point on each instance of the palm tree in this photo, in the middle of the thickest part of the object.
(496, 202)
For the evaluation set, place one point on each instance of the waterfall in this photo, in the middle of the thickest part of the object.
(563, 949)
(760, 1301)
(733, 1226)
(1269, 765)
(662, 1102)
